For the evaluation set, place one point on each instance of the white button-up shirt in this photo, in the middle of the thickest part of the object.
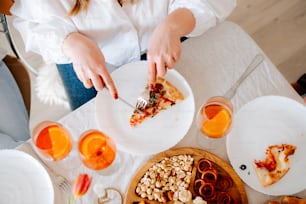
(122, 33)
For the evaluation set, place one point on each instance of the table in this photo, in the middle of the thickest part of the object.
(210, 63)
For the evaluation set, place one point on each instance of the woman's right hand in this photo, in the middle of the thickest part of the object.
(88, 62)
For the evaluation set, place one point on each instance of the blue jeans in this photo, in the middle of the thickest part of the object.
(14, 121)
(76, 92)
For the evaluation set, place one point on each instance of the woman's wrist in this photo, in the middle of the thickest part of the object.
(67, 42)
(181, 22)
(76, 41)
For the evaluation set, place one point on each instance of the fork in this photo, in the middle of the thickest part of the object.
(59, 180)
(142, 102)
(63, 184)
(251, 67)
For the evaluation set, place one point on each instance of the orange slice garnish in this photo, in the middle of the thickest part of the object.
(212, 110)
(218, 125)
(61, 142)
(93, 145)
(97, 150)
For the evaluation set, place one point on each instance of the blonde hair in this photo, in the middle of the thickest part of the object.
(82, 5)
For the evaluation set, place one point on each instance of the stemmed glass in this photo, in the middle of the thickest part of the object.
(53, 142)
(98, 152)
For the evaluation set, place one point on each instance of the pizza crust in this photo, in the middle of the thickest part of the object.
(268, 178)
(279, 154)
(170, 95)
(172, 92)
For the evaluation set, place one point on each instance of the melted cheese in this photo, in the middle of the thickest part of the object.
(280, 154)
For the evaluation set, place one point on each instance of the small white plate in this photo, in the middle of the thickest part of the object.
(154, 135)
(23, 180)
(266, 121)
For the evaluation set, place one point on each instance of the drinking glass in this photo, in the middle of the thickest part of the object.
(98, 152)
(52, 141)
(214, 119)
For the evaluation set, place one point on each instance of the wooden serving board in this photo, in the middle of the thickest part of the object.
(239, 190)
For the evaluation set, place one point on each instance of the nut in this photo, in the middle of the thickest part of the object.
(164, 179)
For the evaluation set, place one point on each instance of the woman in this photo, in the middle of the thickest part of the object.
(86, 35)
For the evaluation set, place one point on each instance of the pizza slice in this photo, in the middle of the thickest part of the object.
(163, 96)
(275, 165)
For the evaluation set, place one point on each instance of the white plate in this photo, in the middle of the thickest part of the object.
(23, 180)
(154, 135)
(266, 121)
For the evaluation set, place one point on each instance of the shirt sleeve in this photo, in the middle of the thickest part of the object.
(43, 25)
(207, 13)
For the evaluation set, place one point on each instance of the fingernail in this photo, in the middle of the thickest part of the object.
(151, 86)
(116, 96)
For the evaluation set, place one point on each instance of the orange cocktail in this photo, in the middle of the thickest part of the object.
(215, 117)
(52, 140)
(97, 151)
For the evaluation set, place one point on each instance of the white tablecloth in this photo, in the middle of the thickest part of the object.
(211, 64)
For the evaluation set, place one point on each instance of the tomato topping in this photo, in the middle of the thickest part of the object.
(269, 163)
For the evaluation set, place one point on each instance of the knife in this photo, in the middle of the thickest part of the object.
(126, 102)
(111, 67)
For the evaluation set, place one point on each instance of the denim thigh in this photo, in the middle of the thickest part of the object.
(76, 92)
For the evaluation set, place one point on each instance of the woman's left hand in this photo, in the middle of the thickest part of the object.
(163, 52)
(164, 48)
